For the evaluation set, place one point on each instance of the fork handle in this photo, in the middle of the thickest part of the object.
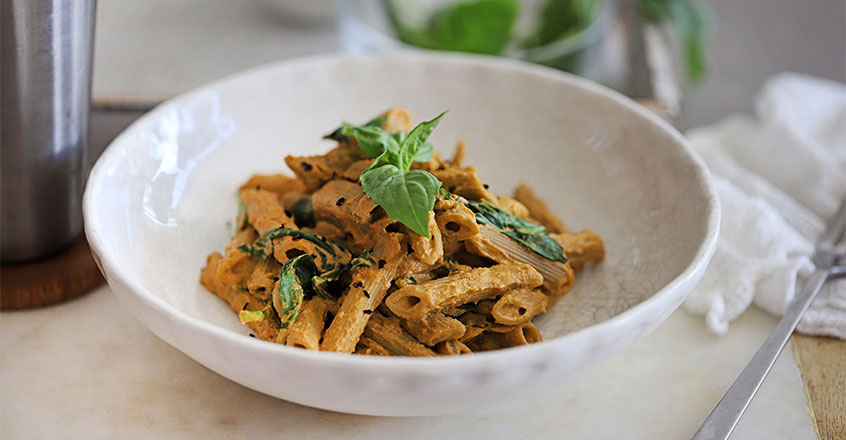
(722, 420)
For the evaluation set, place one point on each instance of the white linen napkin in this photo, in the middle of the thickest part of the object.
(780, 178)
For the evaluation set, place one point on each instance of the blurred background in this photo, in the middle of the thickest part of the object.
(149, 50)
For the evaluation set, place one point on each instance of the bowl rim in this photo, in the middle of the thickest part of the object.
(692, 271)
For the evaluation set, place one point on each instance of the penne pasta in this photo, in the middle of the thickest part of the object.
(237, 265)
(557, 277)
(345, 203)
(513, 207)
(417, 300)
(237, 299)
(434, 327)
(456, 222)
(523, 335)
(459, 154)
(427, 250)
(449, 348)
(537, 209)
(262, 279)
(397, 119)
(581, 248)
(388, 333)
(519, 306)
(381, 247)
(308, 328)
(370, 347)
(280, 184)
(367, 289)
(264, 211)
(464, 182)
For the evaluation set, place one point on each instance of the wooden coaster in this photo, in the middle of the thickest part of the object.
(54, 279)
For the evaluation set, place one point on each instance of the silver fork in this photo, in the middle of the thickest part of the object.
(830, 259)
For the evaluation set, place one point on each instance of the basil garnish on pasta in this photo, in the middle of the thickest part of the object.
(406, 195)
(530, 235)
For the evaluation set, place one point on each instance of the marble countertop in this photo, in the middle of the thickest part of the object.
(88, 369)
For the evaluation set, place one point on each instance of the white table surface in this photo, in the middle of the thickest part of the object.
(88, 369)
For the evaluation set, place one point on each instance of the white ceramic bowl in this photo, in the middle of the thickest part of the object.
(162, 197)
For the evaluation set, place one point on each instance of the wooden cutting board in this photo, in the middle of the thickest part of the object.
(61, 277)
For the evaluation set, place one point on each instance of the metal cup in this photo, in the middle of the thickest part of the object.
(45, 95)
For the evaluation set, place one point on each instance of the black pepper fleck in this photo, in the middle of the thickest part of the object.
(307, 166)
(367, 312)
(340, 201)
(245, 306)
(296, 238)
(366, 293)
(382, 263)
(486, 186)
(275, 278)
(358, 284)
(288, 213)
(252, 335)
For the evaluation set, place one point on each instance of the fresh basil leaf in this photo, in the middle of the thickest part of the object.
(560, 19)
(294, 285)
(481, 26)
(416, 141)
(377, 121)
(263, 246)
(692, 23)
(388, 157)
(337, 134)
(531, 235)
(425, 153)
(372, 140)
(259, 315)
(407, 197)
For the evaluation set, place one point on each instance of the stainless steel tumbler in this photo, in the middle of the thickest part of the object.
(45, 94)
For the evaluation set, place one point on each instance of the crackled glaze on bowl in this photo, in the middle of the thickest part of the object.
(162, 197)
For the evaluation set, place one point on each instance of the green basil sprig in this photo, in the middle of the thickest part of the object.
(406, 195)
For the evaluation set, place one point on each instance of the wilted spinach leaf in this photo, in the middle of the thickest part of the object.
(533, 236)
(294, 285)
